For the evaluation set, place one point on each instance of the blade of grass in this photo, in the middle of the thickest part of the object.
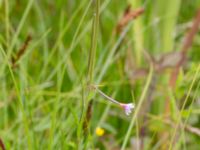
(64, 31)
(43, 27)
(111, 54)
(91, 63)
(19, 28)
(138, 33)
(86, 29)
(92, 52)
(138, 107)
(25, 119)
(171, 9)
(182, 108)
(7, 22)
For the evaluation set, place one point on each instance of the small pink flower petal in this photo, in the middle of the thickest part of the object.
(128, 108)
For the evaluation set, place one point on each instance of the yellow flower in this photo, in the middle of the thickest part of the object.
(99, 131)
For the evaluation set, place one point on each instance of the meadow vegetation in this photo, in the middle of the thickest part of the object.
(71, 72)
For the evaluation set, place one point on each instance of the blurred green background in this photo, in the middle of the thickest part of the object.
(44, 53)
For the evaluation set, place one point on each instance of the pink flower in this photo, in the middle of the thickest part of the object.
(127, 108)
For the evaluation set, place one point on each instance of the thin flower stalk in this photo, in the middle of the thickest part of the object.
(127, 107)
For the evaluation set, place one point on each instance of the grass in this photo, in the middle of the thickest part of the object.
(45, 99)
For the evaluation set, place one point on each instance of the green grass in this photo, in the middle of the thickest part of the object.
(44, 99)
